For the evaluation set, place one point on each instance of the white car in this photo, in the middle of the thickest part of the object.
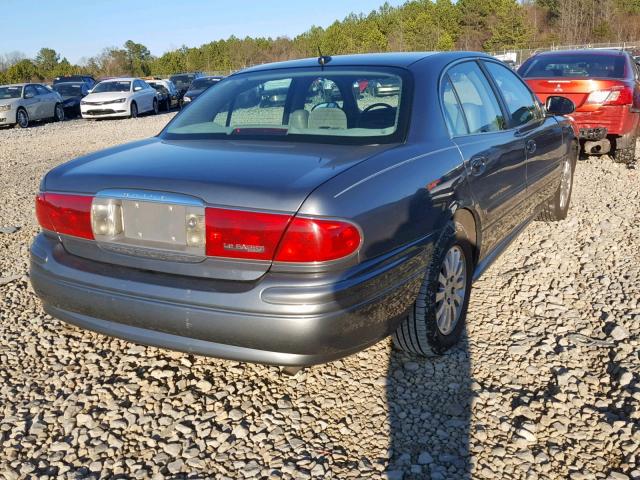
(119, 97)
(22, 103)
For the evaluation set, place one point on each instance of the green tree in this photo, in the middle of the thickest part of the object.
(47, 59)
(137, 57)
(23, 71)
(509, 29)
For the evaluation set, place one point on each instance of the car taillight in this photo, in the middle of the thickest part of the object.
(65, 214)
(228, 233)
(621, 95)
(318, 240)
(244, 235)
(266, 236)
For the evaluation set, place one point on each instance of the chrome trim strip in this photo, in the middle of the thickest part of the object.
(151, 196)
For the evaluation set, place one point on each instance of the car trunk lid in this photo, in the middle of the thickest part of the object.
(243, 175)
(575, 89)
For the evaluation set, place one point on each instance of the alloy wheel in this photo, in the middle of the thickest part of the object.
(452, 285)
(565, 184)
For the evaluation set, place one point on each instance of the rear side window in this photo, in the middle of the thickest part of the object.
(575, 65)
(453, 114)
(478, 102)
(520, 102)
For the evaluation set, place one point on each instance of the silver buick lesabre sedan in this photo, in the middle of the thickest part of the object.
(23, 103)
(299, 231)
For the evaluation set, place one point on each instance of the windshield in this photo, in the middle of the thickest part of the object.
(200, 83)
(68, 89)
(10, 92)
(111, 86)
(182, 81)
(574, 65)
(348, 105)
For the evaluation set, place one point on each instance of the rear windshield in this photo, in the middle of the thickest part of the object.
(159, 87)
(10, 92)
(335, 105)
(182, 81)
(199, 83)
(574, 66)
(69, 89)
(112, 87)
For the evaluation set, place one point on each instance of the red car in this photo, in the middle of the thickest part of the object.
(604, 85)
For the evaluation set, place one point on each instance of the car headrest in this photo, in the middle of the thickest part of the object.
(299, 119)
(332, 118)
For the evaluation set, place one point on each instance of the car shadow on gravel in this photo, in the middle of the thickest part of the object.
(429, 399)
(429, 402)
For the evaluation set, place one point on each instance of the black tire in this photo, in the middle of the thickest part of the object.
(58, 113)
(167, 104)
(133, 110)
(22, 118)
(155, 109)
(419, 333)
(557, 207)
(626, 155)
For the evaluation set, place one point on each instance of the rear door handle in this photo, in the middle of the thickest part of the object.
(531, 146)
(478, 165)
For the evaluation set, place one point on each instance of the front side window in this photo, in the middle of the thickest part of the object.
(29, 91)
(300, 104)
(42, 90)
(520, 102)
(479, 103)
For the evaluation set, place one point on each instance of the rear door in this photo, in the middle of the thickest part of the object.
(543, 137)
(493, 155)
(46, 101)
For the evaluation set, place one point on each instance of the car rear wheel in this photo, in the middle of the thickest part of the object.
(436, 320)
(134, 110)
(155, 106)
(58, 113)
(22, 118)
(558, 206)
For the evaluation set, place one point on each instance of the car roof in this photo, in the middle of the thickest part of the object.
(591, 51)
(16, 84)
(390, 59)
(120, 79)
(71, 83)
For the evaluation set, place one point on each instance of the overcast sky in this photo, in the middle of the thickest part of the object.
(77, 29)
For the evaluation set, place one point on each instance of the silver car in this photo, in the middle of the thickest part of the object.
(22, 103)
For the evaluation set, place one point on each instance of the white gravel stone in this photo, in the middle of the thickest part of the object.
(538, 389)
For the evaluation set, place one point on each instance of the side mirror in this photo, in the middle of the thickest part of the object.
(137, 89)
(89, 91)
(556, 105)
(29, 95)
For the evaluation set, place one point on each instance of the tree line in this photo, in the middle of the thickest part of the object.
(489, 25)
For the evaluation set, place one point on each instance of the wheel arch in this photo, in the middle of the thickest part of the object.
(470, 225)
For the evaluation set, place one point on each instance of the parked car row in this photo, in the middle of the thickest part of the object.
(83, 96)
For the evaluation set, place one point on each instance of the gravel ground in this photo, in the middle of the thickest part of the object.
(546, 385)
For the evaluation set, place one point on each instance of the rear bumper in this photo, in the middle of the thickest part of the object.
(617, 120)
(291, 320)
